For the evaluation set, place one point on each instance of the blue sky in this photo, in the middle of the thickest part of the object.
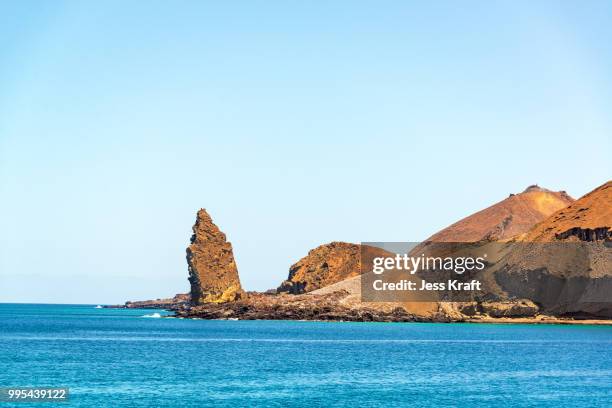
(293, 123)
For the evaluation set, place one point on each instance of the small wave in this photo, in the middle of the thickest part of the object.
(152, 315)
(98, 307)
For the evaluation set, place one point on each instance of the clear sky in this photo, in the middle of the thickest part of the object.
(293, 123)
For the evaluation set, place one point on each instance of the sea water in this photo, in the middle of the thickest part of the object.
(120, 358)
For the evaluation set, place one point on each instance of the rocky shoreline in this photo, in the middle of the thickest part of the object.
(174, 303)
(323, 313)
(331, 308)
(297, 307)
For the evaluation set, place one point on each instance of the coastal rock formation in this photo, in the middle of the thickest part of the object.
(326, 265)
(530, 287)
(564, 263)
(522, 295)
(513, 216)
(212, 269)
(323, 266)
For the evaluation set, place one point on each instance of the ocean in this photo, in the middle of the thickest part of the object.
(119, 358)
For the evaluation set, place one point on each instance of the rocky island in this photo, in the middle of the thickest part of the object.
(326, 285)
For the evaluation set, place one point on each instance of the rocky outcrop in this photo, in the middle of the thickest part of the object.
(212, 269)
(326, 265)
(323, 266)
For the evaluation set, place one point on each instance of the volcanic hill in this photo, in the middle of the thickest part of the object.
(337, 261)
(513, 216)
(508, 218)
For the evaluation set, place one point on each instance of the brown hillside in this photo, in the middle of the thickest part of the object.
(513, 216)
(334, 262)
(510, 217)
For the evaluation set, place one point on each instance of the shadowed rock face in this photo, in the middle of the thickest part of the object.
(565, 262)
(212, 269)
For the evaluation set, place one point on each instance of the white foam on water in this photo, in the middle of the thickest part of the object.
(152, 315)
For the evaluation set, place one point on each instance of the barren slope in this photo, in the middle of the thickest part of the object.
(507, 218)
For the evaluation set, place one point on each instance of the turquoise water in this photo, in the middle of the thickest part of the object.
(117, 358)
